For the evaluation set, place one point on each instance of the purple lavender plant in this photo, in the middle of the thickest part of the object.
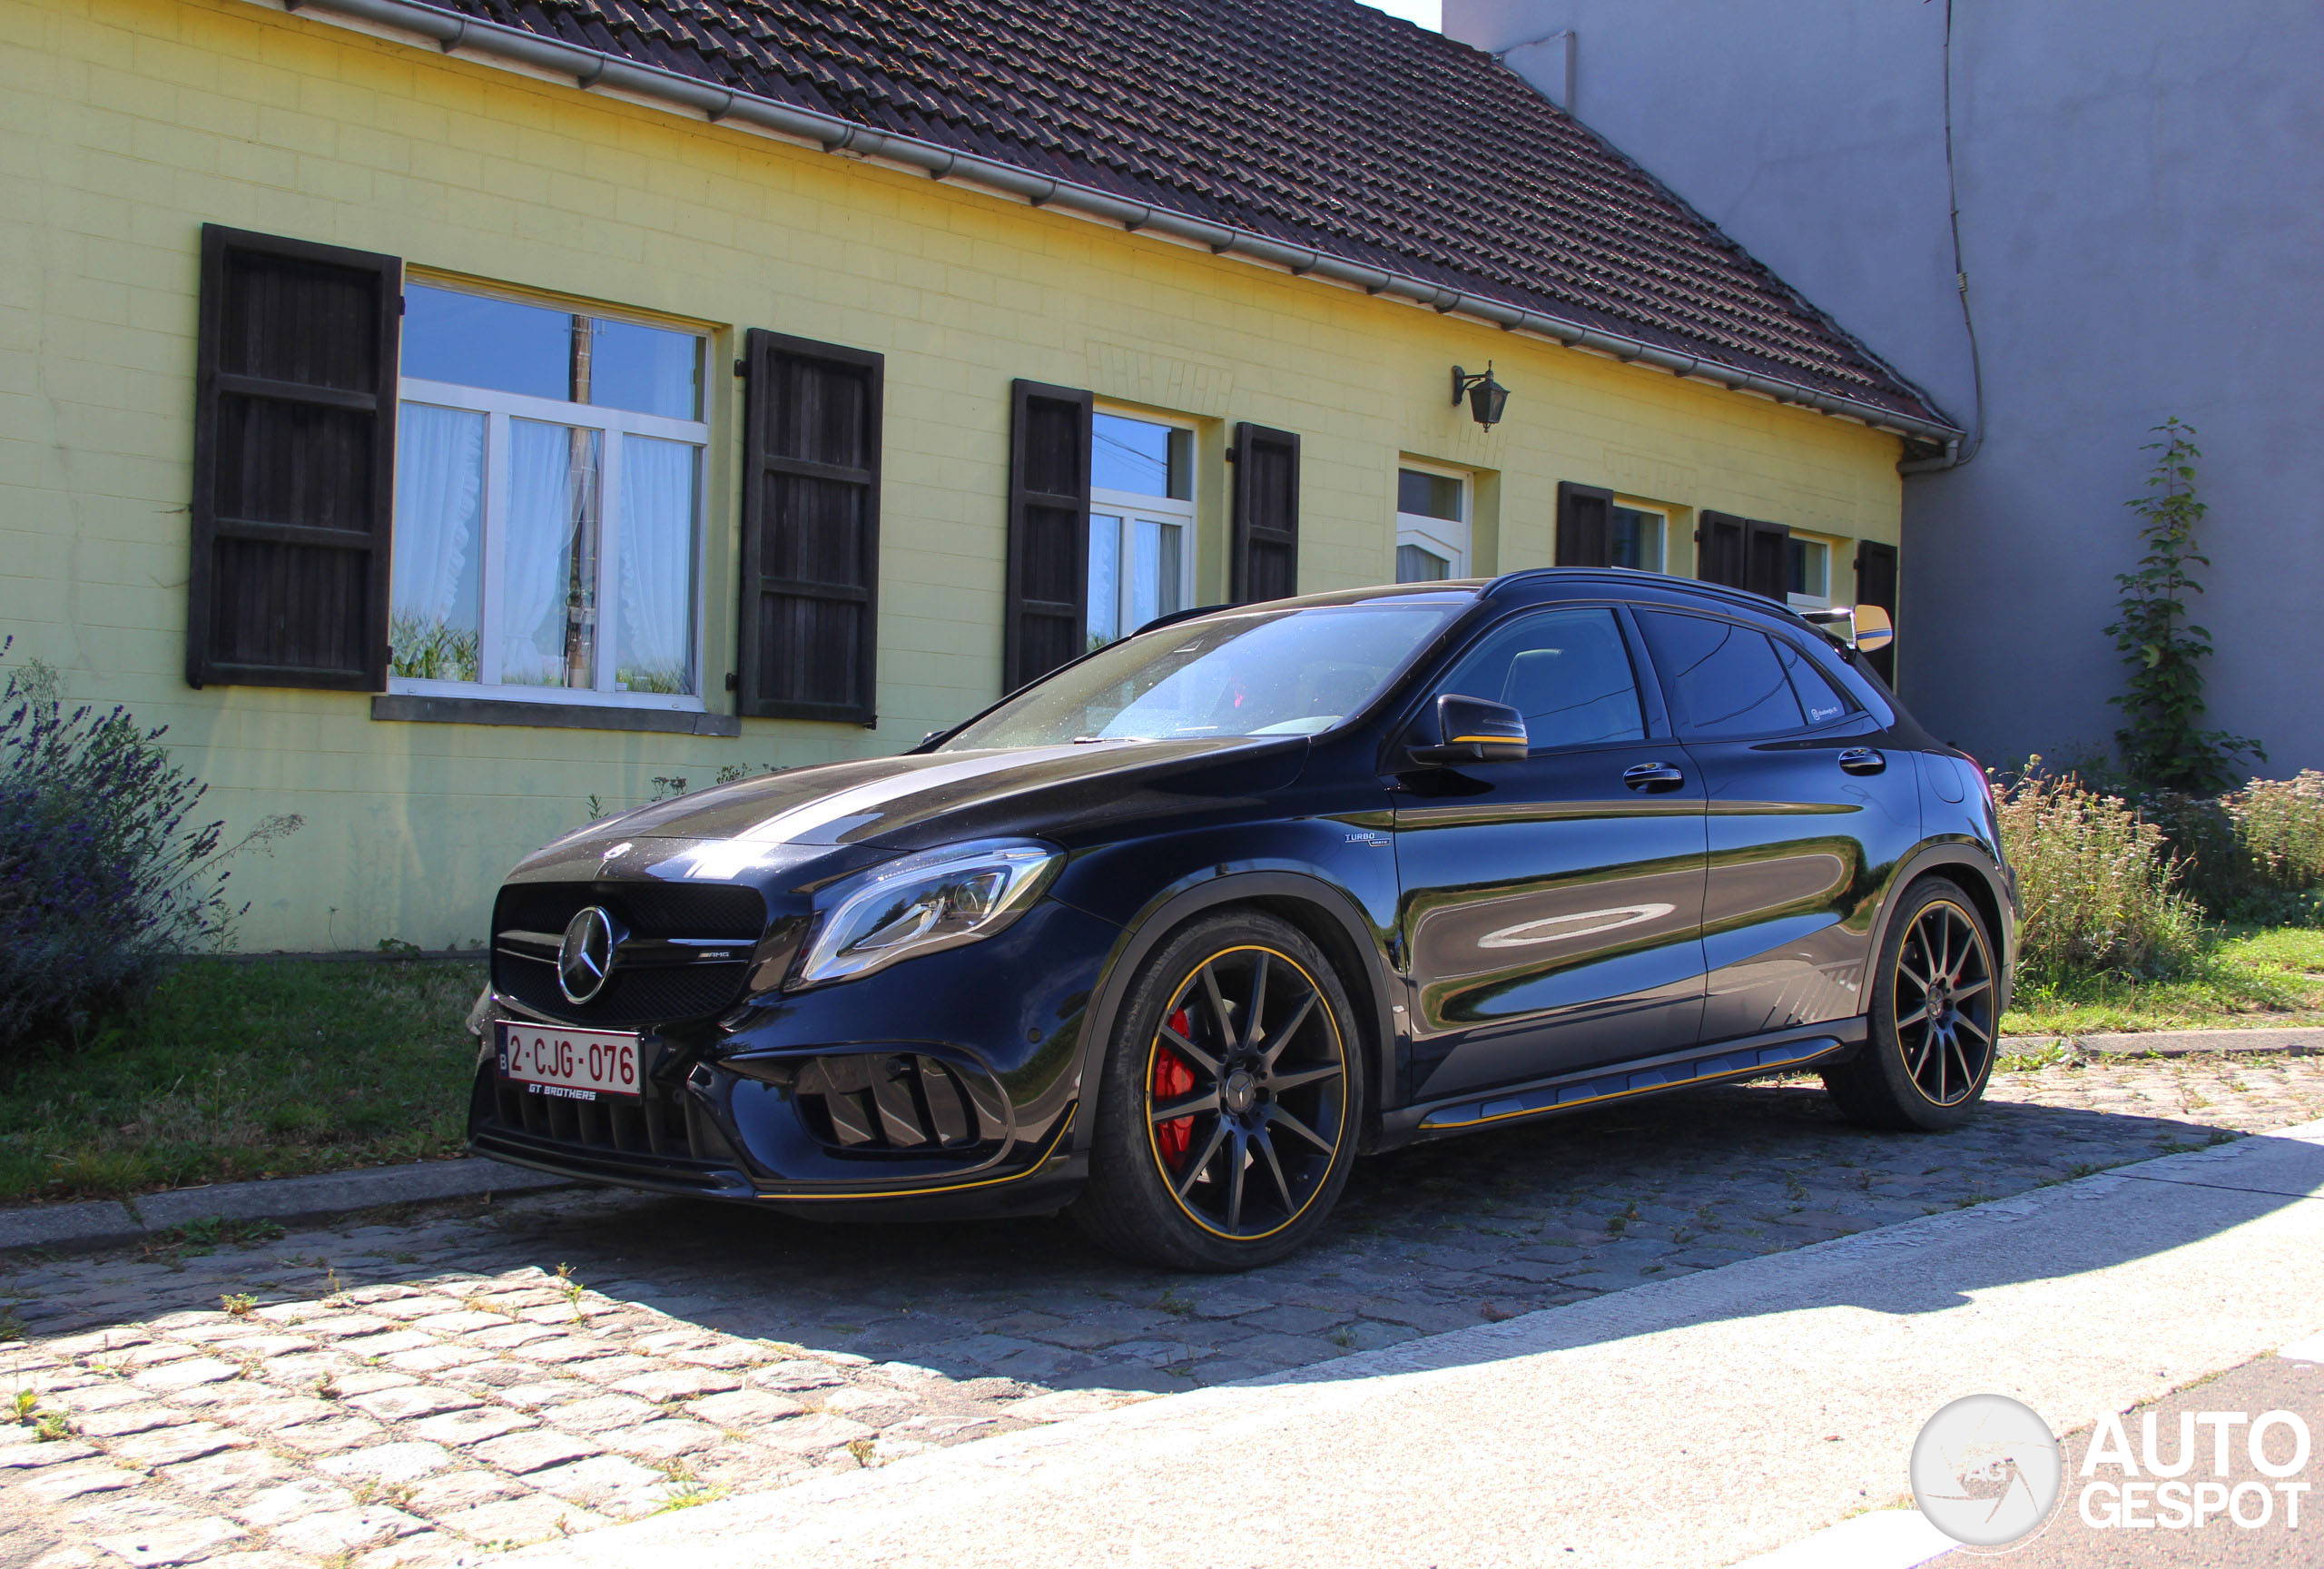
(103, 883)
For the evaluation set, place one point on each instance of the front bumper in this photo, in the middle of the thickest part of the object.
(946, 1085)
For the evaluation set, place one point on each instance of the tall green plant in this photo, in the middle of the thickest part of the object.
(2163, 744)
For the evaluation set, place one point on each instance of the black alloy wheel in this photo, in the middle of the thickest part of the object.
(1246, 1092)
(1227, 1115)
(1934, 1018)
(1942, 1000)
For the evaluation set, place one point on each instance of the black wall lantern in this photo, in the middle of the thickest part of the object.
(1486, 396)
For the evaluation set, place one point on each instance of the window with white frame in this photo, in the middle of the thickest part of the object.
(1141, 523)
(548, 504)
(1637, 537)
(1432, 528)
(1809, 585)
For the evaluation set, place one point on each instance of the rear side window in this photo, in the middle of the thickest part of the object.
(1819, 698)
(1722, 681)
(1566, 671)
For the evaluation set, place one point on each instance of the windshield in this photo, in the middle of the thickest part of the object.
(1261, 672)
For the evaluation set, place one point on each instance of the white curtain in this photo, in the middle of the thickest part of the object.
(439, 492)
(544, 518)
(1105, 579)
(657, 511)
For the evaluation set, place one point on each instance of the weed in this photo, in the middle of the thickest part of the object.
(11, 1327)
(327, 1387)
(1344, 1337)
(687, 1495)
(54, 1426)
(862, 1449)
(25, 1402)
(238, 1305)
(1176, 1304)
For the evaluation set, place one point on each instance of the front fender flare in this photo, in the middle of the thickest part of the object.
(1180, 903)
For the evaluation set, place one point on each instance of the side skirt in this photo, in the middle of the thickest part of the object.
(1726, 1063)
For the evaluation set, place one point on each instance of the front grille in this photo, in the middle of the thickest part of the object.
(634, 993)
(618, 1125)
(630, 996)
(882, 1102)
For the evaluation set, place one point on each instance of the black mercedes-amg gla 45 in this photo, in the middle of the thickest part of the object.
(1171, 936)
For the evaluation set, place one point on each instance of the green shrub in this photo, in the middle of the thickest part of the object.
(106, 875)
(2254, 856)
(2098, 880)
(2281, 824)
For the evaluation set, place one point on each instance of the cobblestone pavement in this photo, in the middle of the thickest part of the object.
(422, 1388)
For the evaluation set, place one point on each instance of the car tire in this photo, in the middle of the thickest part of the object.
(1249, 1173)
(1934, 1023)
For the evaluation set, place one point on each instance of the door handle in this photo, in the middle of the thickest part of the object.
(1653, 777)
(1862, 760)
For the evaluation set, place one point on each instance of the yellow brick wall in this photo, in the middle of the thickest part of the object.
(125, 125)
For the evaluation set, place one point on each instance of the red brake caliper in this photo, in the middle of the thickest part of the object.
(1172, 1079)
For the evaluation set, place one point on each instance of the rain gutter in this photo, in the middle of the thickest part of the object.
(591, 69)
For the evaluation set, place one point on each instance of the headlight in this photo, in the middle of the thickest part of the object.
(920, 904)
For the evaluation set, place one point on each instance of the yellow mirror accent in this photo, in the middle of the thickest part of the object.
(1873, 629)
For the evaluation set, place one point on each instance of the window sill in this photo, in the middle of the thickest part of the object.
(407, 707)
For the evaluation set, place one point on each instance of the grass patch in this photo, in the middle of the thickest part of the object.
(2243, 976)
(230, 1071)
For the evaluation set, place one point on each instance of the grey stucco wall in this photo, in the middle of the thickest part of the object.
(2141, 193)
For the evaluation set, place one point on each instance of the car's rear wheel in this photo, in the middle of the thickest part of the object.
(1229, 1103)
(1936, 1024)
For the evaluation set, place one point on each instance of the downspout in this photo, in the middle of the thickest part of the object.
(1956, 452)
(592, 68)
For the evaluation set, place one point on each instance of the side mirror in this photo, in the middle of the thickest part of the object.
(1470, 730)
(1863, 628)
(1873, 629)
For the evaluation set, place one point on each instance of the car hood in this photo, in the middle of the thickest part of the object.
(1070, 793)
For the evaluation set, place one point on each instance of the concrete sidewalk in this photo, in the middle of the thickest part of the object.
(1698, 1422)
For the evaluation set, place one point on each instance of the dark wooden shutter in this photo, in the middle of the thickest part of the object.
(1264, 557)
(1047, 603)
(1766, 567)
(1720, 552)
(811, 531)
(294, 436)
(1875, 584)
(1585, 525)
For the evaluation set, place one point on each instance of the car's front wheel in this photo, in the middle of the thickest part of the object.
(1935, 1020)
(1228, 1107)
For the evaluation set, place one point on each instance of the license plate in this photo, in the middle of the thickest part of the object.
(572, 1064)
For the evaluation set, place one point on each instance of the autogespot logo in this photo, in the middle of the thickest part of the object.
(1985, 1471)
(1988, 1472)
(2144, 1492)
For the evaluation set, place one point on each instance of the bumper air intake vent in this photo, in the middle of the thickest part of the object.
(884, 1102)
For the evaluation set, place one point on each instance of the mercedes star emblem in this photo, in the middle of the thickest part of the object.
(586, 957)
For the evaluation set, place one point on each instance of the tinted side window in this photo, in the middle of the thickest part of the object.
(1566, 671)
(1819, 698)
(1723, 680)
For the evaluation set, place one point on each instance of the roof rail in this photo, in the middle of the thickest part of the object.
(1745, 597)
